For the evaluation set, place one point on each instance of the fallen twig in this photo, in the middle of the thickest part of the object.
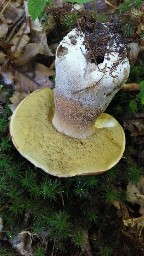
(131, 87)
(2, 11)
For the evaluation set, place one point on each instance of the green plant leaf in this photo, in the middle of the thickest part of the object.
(133, 105)
(36, 7)
(141, 94)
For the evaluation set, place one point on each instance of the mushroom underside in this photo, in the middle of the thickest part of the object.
(38, 141)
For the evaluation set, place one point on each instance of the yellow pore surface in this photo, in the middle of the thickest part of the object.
(38, 141)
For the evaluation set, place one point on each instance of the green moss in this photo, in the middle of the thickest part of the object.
(50, 189)
(3, 124)
(78, 237)
(40, 251)
(141, 94)
(60, 226)
(110, 194)
(134, 173)
(106, 251)
(127, 4)
(69, 21)
(128, 30)
(6, 252)
(136, 73)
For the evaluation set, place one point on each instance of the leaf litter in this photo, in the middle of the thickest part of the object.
(21, 40)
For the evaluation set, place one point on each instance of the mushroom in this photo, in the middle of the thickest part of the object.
(66, 133)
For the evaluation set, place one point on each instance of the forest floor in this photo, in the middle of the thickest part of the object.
(80, 216)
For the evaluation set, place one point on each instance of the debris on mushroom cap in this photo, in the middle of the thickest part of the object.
(84, 87)
(39, 142)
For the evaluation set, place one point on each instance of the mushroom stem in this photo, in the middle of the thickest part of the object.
(84, 89)
(73, 118)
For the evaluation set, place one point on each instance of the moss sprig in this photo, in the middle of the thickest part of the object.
(51, 189)
(69, 21)
(60, 226)
(3, 124)
(110, 194)
(134, 173)
(77, 237)
(40, 251)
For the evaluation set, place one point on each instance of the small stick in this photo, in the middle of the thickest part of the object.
(131, 87)
(14, 29)
(5, 7)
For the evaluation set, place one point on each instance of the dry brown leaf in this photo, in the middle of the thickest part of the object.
(135, 126)
(19, 41)
(42, 75)
(41, 38)
(122, 209)
(137, 223)
(16, 98)
(2, 57)
(34, 78)
(136, 194)
(12, 13)
(134, 49)
(30, 51)
(22, 243)
(1, 110)
(7, 77)
(58, 3)
(3, 30)
(103, 6)
(116, 204)
(3, 95)
(36, 25)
